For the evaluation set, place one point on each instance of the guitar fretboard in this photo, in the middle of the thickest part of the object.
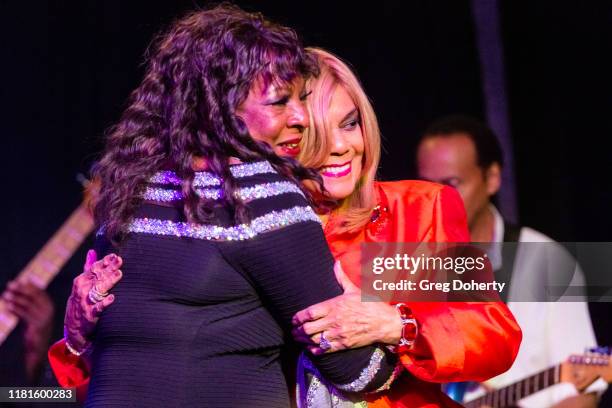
(510, 395)
(50, 259)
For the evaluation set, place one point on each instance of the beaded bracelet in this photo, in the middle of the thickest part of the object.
(72, 349)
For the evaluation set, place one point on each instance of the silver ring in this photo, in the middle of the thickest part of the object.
(324, 343)
(95, 296)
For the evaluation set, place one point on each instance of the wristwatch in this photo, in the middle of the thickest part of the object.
(410, 329)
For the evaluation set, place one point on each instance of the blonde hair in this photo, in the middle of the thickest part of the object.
(356, 209)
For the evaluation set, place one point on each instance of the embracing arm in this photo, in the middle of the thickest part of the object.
(457, 341)
(462, 341)
(292, 268)
(485, 335)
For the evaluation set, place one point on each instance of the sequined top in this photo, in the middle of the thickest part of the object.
(202, 311)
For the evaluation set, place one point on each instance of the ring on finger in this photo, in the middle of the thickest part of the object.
(95, 295)
(324, 343)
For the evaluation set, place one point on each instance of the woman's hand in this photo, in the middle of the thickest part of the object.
(347, 321)
(82, 313)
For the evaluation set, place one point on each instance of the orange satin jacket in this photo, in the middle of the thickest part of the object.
(457, 341)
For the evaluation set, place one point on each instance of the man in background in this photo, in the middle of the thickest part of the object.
(463, 153)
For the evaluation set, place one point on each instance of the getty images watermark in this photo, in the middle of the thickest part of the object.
(423, 263)
(432, 272)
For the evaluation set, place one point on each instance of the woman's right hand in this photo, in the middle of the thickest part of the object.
(346, 320)
(82, 313)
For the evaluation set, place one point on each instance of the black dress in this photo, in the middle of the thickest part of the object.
(202, 311)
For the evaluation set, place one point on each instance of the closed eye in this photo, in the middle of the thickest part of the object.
(303, 97)
(352, 121)
(281, 101)
(351, 124)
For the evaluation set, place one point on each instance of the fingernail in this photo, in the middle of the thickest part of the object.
(8, 296)
(111, 298)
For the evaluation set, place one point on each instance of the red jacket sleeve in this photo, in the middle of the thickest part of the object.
(70, 371)
(460, 341)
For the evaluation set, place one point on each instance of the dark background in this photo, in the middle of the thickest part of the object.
(66, 69)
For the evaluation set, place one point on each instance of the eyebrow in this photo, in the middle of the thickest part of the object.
(348, 115)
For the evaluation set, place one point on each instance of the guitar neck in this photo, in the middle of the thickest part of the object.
(511, 394)
(50, 259)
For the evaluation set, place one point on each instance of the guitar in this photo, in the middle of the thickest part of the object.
(49, 261)
(579, 370)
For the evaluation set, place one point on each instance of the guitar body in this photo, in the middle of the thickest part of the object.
(579, 370)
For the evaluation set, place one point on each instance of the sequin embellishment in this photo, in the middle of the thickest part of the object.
(165, 177)
(204, 179)
(259, 225)
(250, 169)
(246, 193)
(399, 368)
(269, 190)
(207, 179)
(367, 375)
(162, 195)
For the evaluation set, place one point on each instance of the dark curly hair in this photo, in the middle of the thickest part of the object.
(198, 73)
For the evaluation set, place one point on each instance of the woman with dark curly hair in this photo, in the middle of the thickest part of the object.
(215, 267)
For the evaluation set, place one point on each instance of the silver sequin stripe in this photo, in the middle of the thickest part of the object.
(265, 223)
(245, 193)
(399, 368)
(365, 377)
(207, 179)
(162, 195)
(312, 390)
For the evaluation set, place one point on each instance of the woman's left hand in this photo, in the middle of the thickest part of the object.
(346, 321)
(82, 313)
